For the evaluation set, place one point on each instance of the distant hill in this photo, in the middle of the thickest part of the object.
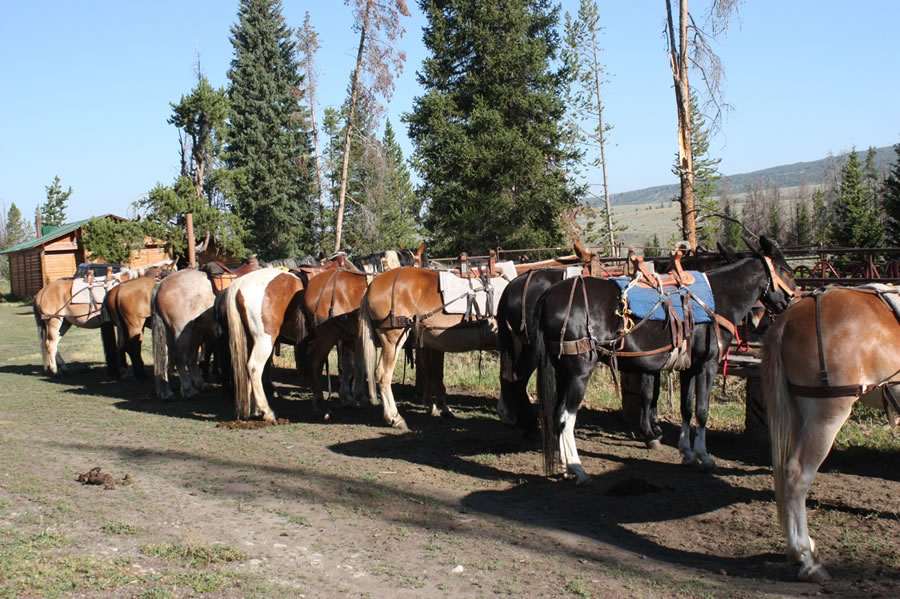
(651, 211)
(789, 175)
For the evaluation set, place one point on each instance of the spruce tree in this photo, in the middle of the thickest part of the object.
(16, 227)
(857, 220)
(890, 198)
(489, 139)
(398, 221)
(803, 232)
(268, 147)
(53, 211)
(706, 178)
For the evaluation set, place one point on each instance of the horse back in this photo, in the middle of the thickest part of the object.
(404, 291)
(334, 293)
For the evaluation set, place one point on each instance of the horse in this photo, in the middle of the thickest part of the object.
(182, 320)
(405, 300)
(127, 310)
(828, 350)
(259, 309)
(577, 326)
(73, 301)
(331, 306)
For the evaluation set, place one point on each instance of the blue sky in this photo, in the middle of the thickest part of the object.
(85, 87)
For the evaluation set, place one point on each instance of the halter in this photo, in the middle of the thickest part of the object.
(775, 280)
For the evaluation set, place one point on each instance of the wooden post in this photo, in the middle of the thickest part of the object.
(189, 228)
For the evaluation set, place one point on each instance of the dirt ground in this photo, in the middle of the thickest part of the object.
(454, 508)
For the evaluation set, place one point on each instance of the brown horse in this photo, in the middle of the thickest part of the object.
(331, 307)
(824, 353)
(405, 300)
(73, 301)
(127, 309)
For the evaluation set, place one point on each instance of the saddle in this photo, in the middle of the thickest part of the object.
(222, 276)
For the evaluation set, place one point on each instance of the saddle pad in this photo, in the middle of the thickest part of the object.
(641, 299)
(455, 291)
(574, 271)
(888, 293)
(84, 293)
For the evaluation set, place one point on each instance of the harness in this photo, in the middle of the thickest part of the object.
(341, 319)
(889, 395)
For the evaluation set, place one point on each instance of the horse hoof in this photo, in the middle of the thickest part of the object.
(690, 461)
(709, 467)
(400, 425)
(814, 573)
(447, 414)
(583, 481)
(654, 444)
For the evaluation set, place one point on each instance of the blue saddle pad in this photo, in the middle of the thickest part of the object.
(642, 299)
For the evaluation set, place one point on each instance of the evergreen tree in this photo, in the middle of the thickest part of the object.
(489, 139)
(890, 198)
(268, 147)
(803, 231)
(53, 211)
(398, 221)
(107, 240)
(15, 231)
(731, 233)
(857, 220)
(819, 219)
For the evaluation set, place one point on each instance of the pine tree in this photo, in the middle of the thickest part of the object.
(15, 231)
(731, 231)
(706, 178)
(489, 138)
(803, 235)
(109, 241)
(53, 211)
(890, 198)
(857, 220)
(268, 147)
(819, 219)
(399, 219)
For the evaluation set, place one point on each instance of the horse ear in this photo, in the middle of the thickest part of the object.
(752, 245)
(581, 251)
(728, 252)
(768, 246)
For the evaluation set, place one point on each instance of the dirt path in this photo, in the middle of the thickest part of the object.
(455, 508)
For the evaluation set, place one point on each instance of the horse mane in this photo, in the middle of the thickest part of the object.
(290, 263)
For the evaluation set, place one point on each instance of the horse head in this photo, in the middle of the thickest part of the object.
(781, 287)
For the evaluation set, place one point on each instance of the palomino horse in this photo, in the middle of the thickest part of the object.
(578, 324)
(408, 299)
(827, 351)
(127, 310)
(56, 308)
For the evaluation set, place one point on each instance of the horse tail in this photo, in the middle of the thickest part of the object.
(301, 343)
(42, 333)
(546, 391)
(222, 356)
(237, 347)
(160, 347)
(780, 411)
(507, 362)
(367, 340)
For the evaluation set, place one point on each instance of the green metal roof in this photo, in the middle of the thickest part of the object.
(57, 232)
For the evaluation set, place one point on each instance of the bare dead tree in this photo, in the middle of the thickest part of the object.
(378, 62)
(692, 50)
(307, 46)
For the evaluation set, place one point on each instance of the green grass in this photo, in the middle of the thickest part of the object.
(194, 554)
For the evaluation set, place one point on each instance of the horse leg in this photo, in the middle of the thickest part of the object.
(391, 344)
(56, 328)
(570, 390)
(688, 386)
(133, 347)
(704, 383)
(649, 419)
(814, 438)
(439, 405)
(509, 358)
(347, 369)
(515, 407)
(359, 373)
(256, 364)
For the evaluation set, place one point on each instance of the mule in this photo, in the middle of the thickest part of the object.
(73, 301)
(405, 300)
(181, 305)
(827, 351)
(577, 326)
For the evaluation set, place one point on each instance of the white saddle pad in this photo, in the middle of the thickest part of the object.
(455, 290)
(93, 293)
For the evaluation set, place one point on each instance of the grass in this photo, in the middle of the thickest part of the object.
(194, 554)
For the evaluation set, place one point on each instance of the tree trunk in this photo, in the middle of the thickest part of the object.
(354, 93)
(606, 198)
(678, 60)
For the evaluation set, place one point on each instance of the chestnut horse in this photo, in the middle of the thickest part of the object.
(408, 299)
(331, 305)
(578, 324)
(827, 351)
(127, 310)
